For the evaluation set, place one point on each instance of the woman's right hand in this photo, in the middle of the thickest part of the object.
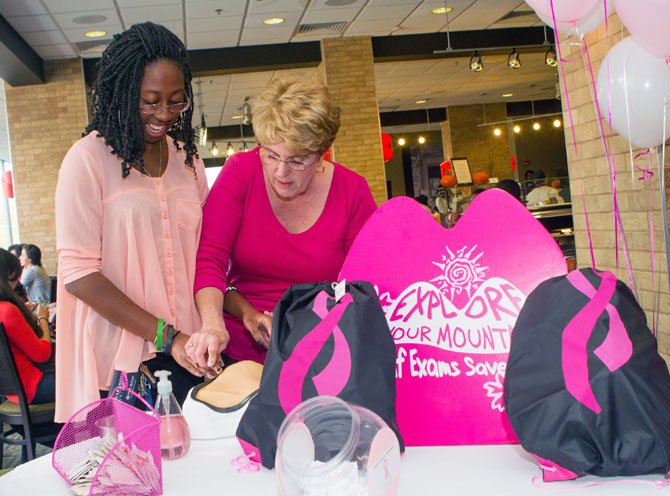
(43, 312)
(259, 325)
(205, 346)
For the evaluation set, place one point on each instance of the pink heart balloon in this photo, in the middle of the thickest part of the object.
(451, 298)
(564, 10)
(648, 21)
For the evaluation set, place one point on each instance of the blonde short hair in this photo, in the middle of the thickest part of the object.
(299, 113)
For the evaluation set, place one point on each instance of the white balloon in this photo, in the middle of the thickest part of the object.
(634, 86)
(585, 25)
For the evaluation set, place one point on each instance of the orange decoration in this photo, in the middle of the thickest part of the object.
(448, 181)
(480, 177)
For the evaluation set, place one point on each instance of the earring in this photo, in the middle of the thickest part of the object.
(319, 170)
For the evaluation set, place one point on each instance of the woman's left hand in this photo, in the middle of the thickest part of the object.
(179, 354)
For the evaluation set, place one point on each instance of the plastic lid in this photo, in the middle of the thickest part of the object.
(164, 385)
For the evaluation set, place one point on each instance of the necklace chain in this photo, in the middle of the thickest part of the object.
(160, 161)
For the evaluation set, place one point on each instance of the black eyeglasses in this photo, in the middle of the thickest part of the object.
(157, 108)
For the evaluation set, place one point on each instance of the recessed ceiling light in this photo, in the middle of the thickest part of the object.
(273, 20)
(236, 117)
(96, 34)
(421, 101)
(89, 19)
(441, 10)
(507, 95)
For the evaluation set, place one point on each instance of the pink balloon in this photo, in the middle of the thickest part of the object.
(565, 10)
(649, 23)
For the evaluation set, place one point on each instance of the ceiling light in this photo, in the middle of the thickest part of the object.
(507, 95)
(246, 111)
(513, 60)
(557, 122)
(338, 3)
(421, 101)
(95, 34)
(536, 126)
(229, 149)
(441, 10)
(89, 19)
(202, 131)
(421, 140)
(517, 129)
(273, 20)
(401, 141)
(215, 149)
(550, 57)
(476, 63)
(497, 131)
(236, 117)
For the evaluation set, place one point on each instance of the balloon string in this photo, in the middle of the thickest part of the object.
(618, 225)
(565, 84)
(646, 175)
(588, 229)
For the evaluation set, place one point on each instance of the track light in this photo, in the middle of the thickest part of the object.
(550, 57)
(202, 132)
(476, 63)
(215, 149)
(513, 60)
(246, 112)
(229, 149)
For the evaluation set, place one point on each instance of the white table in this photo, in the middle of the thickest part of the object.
(450, 470)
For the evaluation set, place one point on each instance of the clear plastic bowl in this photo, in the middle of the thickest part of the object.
(327, 446)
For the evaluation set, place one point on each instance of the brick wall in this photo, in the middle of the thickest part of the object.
(485, 152)
(589, 171)
(348, 70)
(44, 121)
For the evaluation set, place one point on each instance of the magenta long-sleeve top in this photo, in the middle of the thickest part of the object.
(243, 244)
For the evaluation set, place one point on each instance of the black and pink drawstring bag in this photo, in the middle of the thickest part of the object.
(322, 345)
(586, 390)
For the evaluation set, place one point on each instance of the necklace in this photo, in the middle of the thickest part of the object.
(160, 161)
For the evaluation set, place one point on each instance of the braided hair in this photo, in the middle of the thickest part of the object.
(116, 94)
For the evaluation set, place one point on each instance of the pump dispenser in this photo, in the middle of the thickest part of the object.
(175, 435)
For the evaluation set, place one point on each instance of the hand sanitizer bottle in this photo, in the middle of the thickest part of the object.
(175, 435)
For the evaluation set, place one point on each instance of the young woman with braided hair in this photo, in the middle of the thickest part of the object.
(128, 217)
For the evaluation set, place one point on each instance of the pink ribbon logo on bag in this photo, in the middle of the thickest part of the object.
(335, 375)
(615, 350)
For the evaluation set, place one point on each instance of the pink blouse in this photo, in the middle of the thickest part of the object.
(141, 233)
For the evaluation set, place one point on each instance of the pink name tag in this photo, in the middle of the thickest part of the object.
(451, 298)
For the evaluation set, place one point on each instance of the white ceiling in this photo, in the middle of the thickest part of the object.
(48, 26)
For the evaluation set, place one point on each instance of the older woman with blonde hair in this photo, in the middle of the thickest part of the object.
(277, 215)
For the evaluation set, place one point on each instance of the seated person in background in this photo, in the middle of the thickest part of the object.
(276, 216)
(541, 193)
(511, 187)
(20, 290)
(29, 340)
(34, 278)
(423, 200)
(563, 192)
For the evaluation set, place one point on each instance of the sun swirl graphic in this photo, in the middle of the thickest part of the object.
(460, 272)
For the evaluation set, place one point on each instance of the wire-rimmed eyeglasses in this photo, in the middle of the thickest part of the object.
(298, 164)
(157, 108)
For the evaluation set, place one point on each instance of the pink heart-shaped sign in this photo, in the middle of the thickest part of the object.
(451, 298)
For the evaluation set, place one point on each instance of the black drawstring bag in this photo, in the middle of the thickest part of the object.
(585, 389)
(322, 347)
